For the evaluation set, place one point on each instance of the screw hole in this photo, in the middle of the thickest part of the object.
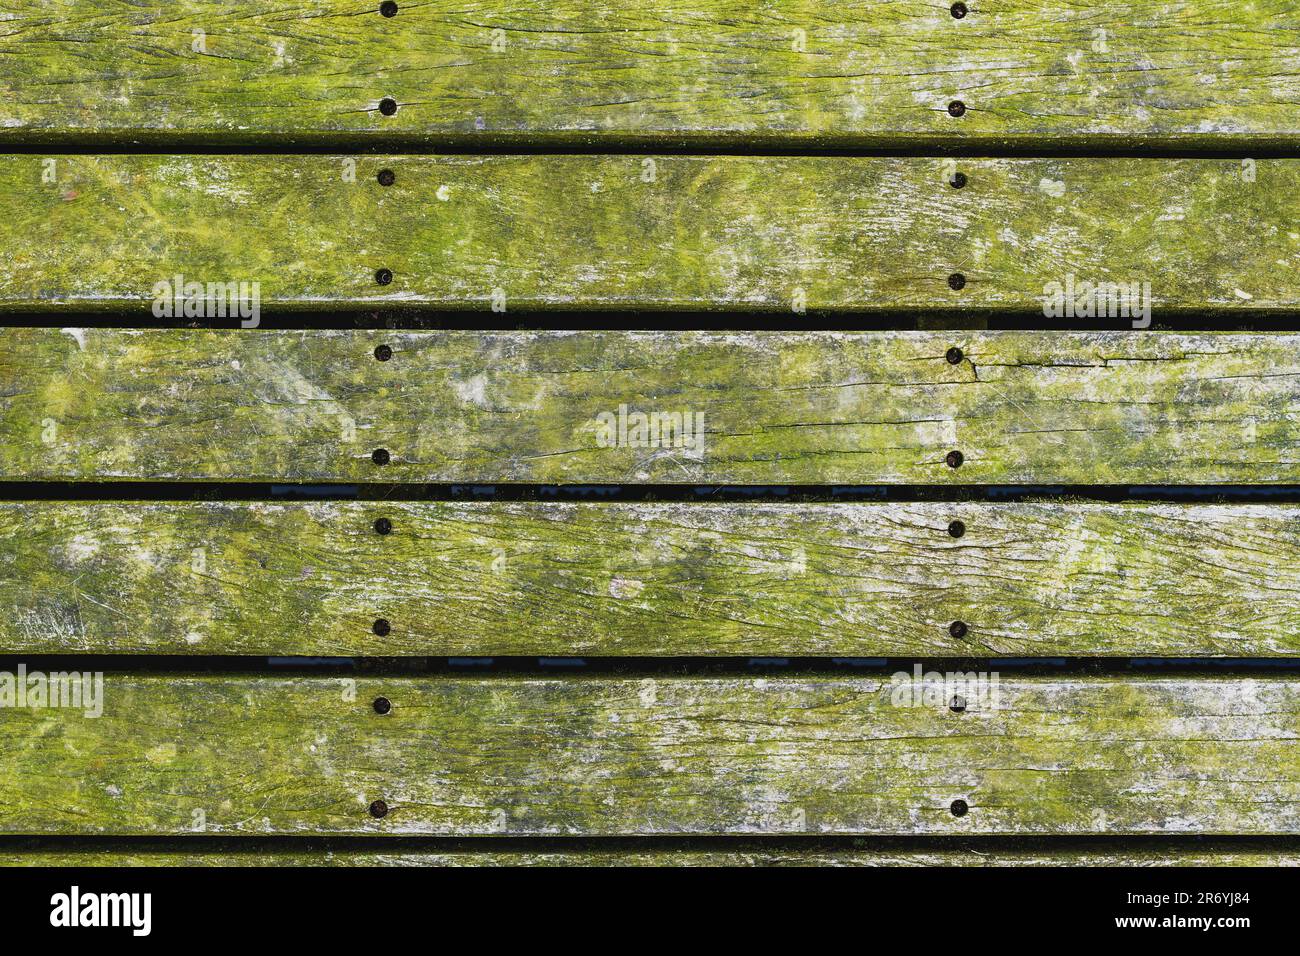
(955, 108)
(378, 809)
(954, 459)
(955, 355)
(959, 808)
(958, 10)
(383, 352)
(386, 177)
(958, 629)
(383, 705)
(955, 528)
(958, 181)
(388, 106)
(380, 456)
(384, 276)
(383, 526)
(957, 705)
(956, 282)
(389, 9)
(381, 627)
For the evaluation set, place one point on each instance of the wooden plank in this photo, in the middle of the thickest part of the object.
(799, 407)
(170, 754)
(678, 579)
(698, 71)
(188, 852)
(713, 232)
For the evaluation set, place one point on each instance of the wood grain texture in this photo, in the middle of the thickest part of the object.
(798, 407)
(555, 579)
(460, 756)
(185, 851)
(698, 71)
(712, 232)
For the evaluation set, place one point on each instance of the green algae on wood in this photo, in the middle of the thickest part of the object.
(702, 72)
(775, 233)
(174, 754)
(639, 579)
(775, 407)
(272, 851)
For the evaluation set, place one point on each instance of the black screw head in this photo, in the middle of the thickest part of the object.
(386, 177)
(958, 181)
(388, 106)
(378, 809)
(958, 10)
(381, 627)
(956, 528)
(955, 355)
(955, 108)
(959, 808)
(389, 9)
(383, 705)
(383, 352)
(958, 629)
(954, 459)
(384, 276)
(956, 282)
(957, 705)
(380, 456)
(383, 526)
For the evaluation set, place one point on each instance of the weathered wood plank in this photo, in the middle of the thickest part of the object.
(800, 407)
(693, 579)
(225, 754)
(720, 232)
(187, 852)
(700, 71)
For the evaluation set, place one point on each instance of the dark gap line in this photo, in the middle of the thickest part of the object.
(482, 320)
(154, 492)
(398, 145)
(919, 843)
(595, 667)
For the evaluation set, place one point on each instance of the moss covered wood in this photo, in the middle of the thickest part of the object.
(698, 71)
(798, 407)
(187, 851)
(676, 579)
(778, 233)
(172, 754)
